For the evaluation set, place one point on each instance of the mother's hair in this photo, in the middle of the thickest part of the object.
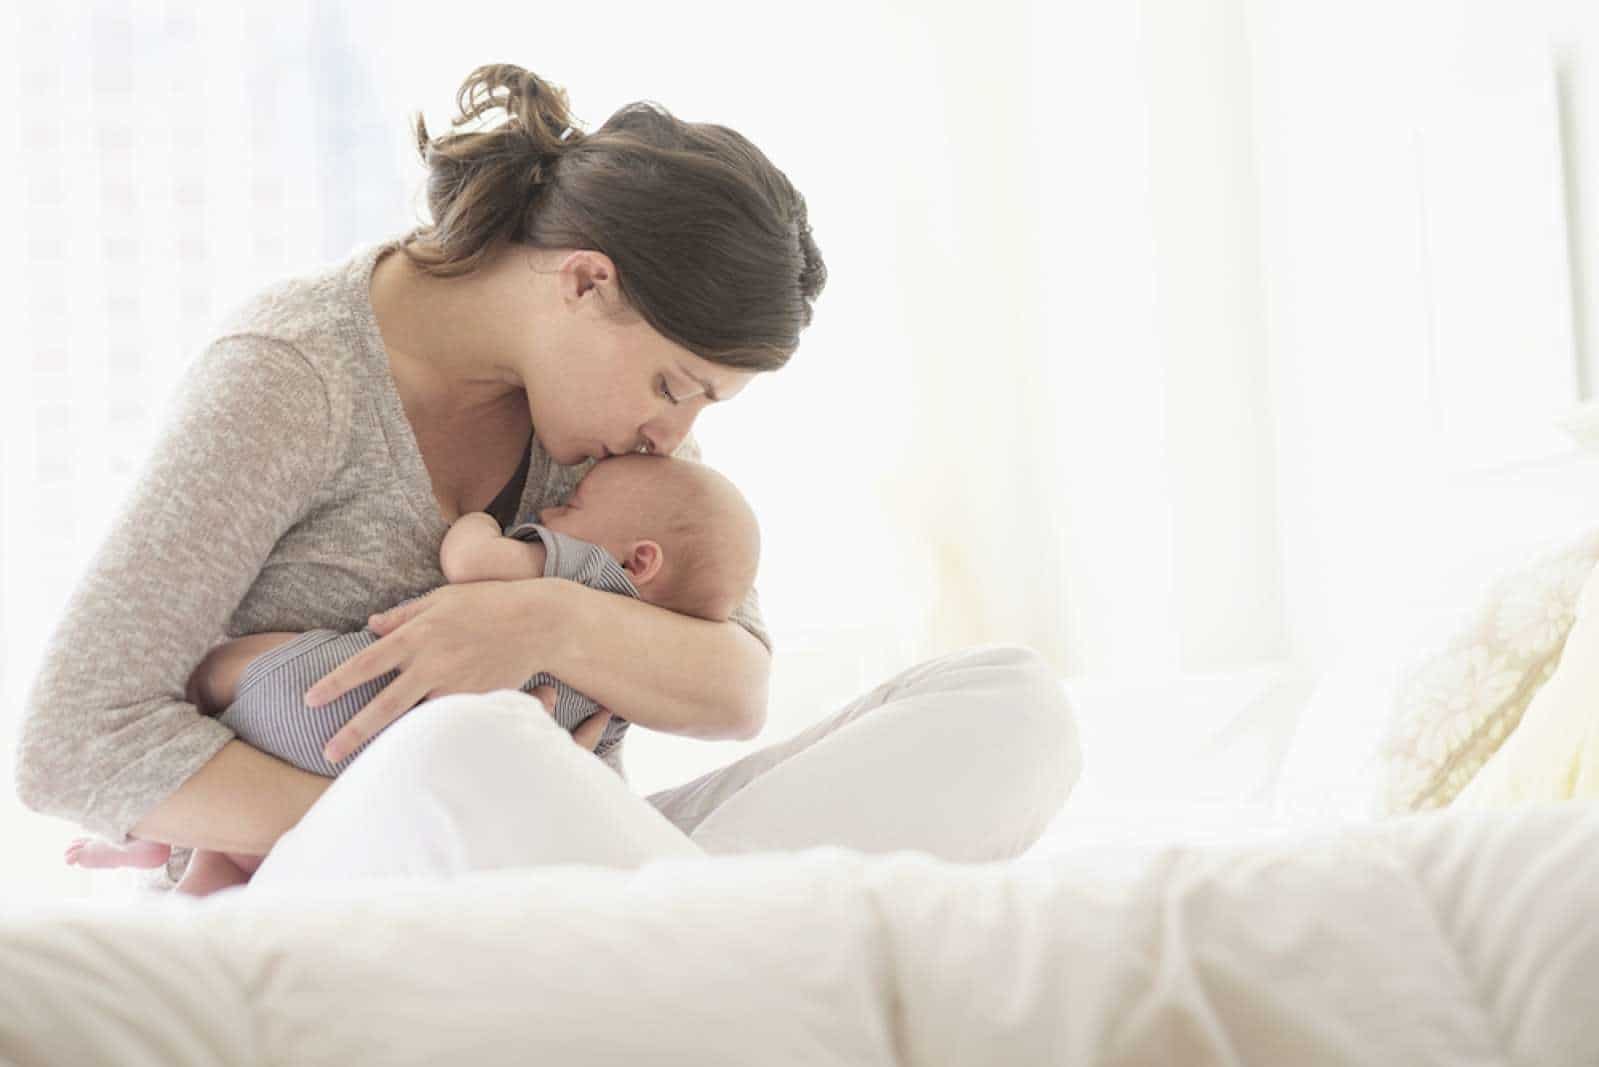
(710, 240)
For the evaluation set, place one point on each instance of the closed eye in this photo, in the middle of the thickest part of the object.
(666, 390)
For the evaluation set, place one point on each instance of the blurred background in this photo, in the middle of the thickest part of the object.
(1213, 340)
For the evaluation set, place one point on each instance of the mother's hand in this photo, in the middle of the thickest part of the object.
(472, 638)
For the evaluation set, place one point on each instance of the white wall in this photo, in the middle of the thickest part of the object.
(1419, 348)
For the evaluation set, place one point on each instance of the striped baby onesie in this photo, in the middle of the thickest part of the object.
(269, 709)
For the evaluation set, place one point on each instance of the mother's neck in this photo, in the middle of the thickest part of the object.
(449, 339)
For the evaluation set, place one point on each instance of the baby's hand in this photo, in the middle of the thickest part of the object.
(475, 550)
(463, 543)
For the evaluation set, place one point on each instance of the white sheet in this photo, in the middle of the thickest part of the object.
(1195, 758)
(1433, 940)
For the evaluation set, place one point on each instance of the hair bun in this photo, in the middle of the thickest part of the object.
(538, 110)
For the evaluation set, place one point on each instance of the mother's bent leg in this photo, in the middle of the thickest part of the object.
(471, 782)
(967, 757)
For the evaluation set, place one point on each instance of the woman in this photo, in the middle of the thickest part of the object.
(576, 296)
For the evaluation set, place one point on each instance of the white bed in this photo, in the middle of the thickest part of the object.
(1428, 940)
(1229, 930)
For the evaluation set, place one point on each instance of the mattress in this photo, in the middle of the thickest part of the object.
(1448, 938)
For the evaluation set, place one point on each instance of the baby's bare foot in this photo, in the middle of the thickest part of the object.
(94, 853)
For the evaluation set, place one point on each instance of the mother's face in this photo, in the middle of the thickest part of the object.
(610, 387)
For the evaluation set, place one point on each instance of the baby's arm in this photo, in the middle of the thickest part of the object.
(476, 550)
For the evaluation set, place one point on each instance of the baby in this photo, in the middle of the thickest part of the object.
(671, 532)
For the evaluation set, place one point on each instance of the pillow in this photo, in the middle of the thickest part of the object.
(1454, 709)
(1331, 771)
(1582, 423)
(1554, 753)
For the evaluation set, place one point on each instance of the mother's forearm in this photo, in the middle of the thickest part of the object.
(659, 669)
(241, 800)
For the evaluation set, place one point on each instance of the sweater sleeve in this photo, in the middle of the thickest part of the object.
(748, 612)
(106, 734)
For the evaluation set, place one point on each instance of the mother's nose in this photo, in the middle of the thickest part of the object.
(664, 438)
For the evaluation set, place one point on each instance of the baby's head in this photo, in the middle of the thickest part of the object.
(684, 533)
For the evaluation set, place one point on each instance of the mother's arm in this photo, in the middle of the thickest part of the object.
(108, 739)
(658, 668)
(703, 679)
(240, 800)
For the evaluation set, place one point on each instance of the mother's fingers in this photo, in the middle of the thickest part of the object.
(374, 661)
(385, 622)
(545, 694)
(397, 698)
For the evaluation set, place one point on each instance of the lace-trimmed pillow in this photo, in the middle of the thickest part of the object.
(1454, 708)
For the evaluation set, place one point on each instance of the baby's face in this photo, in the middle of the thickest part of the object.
(597, 511)
(646, 510)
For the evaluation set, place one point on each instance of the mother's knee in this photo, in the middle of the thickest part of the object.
(1021, 694)
(1013, 671)
(460, 726)
(1038, 691)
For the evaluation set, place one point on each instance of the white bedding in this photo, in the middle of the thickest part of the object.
(1440, 939)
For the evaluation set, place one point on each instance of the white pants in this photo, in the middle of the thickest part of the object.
(966, 757)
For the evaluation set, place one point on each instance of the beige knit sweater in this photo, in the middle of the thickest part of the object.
(287, 492)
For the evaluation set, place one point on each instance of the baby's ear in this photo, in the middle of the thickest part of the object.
(643, 562)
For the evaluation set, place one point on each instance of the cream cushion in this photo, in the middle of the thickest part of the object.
(1455, 707)
(1554, 752)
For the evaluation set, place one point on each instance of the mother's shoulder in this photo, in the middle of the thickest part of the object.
(322, 313)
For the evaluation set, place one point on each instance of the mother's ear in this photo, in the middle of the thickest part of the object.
(585, 269)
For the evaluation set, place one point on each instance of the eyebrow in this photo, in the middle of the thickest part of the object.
(706, 387)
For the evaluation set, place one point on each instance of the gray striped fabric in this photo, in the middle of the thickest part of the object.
(269, 712)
